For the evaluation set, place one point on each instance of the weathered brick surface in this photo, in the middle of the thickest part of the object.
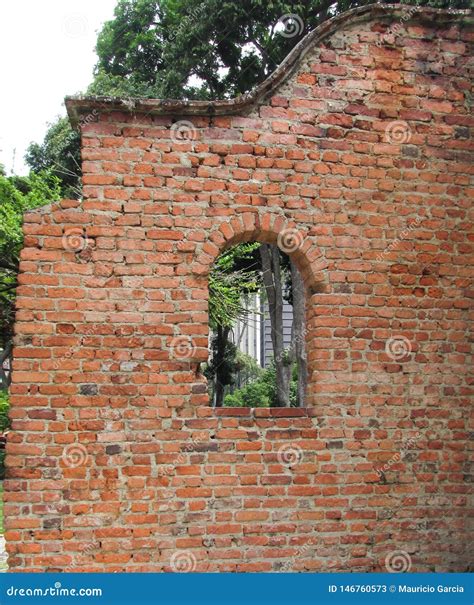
(116, 462)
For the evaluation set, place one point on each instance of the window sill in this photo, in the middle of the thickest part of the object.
(265, 412)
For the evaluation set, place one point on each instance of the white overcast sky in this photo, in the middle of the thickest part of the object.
(47, 52)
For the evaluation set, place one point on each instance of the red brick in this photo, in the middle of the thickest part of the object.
(383, 213)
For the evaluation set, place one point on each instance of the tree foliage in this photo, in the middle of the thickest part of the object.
(59, 154)
(4, 419)
(191, 49)
(262, 392)
(234, 274)
(186, 49)
(17, 195)
(209, 49)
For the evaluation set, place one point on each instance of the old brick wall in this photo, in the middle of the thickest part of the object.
(356, 158)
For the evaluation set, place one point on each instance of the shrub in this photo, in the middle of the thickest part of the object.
(261, 392)
(253, 395)
(4, 425)
(4, 407)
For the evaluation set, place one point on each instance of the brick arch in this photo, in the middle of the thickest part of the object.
(271, 228)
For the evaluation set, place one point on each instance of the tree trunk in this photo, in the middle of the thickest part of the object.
(5, 379)
(221, 345)
(299, 332)
(270, 256)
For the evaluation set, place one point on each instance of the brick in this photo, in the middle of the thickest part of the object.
(369, 159)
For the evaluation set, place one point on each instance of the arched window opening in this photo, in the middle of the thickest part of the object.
(257, 323)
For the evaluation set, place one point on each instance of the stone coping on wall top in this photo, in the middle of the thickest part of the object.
(266, 412)
(80, 107)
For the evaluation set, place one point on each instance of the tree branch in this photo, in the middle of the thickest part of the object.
(4, 264)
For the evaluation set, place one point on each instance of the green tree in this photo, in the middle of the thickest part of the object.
(217, 49)
(234, 274)
(59, 154)
(186, 49)
(189, 49)
(209, 49)
(17, 195)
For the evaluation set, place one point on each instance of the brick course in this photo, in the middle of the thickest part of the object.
(359, 156)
